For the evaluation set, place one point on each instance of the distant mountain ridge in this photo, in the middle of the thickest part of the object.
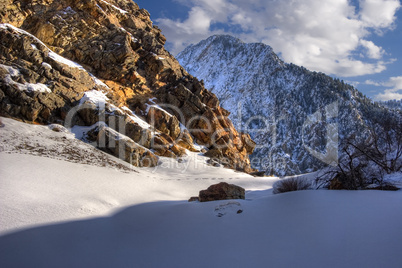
(392, 104)
(286, 102)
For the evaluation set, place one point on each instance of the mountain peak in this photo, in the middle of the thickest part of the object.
(272, 100)
(227, 42)
(220, 50)
(224, 38)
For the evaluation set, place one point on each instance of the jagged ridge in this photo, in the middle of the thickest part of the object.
(106, 62)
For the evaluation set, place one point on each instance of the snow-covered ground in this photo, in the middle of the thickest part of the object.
(56, 211)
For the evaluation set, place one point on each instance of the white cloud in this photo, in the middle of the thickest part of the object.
(373, 83)
(181, 34)
(394, 91)
(388, 96)
(395, 82)
(373, 51)
(378, 13)
(197, 26)
(320, 35)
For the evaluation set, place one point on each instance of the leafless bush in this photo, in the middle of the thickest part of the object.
(365, 161)
(291, 184)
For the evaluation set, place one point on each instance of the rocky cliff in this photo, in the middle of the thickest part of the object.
(102, 64)
(298, 118)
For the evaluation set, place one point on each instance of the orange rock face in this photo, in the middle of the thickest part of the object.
(121, 54)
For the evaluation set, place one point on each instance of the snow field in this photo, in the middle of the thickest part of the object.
(58, 213)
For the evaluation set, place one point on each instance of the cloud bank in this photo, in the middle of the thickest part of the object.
(330, 36)
(393, 91)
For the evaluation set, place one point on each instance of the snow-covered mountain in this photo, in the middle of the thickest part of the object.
(297, 117)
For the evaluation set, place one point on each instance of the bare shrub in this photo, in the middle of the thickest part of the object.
(291, 184)
(365, 161)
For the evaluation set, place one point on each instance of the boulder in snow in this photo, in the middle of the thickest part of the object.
(222, 191)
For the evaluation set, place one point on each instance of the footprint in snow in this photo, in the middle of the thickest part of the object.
(231, 207)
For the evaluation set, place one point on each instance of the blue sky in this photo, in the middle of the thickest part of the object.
(358, 41)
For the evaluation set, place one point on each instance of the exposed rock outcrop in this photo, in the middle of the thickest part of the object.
(222, 191)
(125, 148)
(85, 62)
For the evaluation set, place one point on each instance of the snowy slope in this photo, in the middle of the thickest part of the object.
(49, 176)
(272, 101)
(56, 212)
